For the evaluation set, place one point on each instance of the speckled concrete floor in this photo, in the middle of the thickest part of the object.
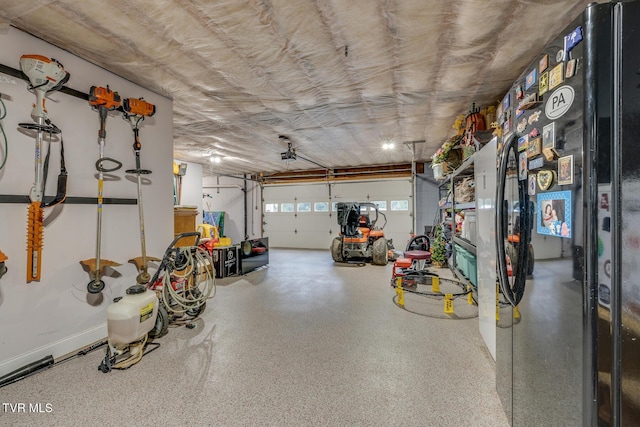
(302, 342)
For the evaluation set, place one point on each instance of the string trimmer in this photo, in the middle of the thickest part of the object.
(44, 75)
(102, 100)
(135, 110)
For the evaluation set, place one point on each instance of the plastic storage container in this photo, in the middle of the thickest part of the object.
(470, 218)
(132, 316)
(461, 259)
(472, 269)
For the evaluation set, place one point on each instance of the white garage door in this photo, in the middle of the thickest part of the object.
(304, 216)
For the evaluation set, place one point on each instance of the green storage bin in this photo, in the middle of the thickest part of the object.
(462, 262)
(459, 257)
(472, 263)
(465, 254)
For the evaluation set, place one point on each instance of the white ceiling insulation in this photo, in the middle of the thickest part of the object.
(338, 77)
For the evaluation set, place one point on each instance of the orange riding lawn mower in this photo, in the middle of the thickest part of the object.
(360, 239)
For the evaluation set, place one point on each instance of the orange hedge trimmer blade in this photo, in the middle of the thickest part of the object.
(34, 241)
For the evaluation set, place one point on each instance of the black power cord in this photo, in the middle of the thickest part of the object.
(3, 114)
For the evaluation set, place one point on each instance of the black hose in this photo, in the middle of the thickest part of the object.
(26, 370)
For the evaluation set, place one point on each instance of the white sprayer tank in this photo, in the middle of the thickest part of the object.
(130, 318)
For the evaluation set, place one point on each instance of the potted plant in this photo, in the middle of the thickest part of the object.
(447, 157)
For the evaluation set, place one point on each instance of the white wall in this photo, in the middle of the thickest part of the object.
(192, 186)
(56, 315)
(427, 198)
(226, 195)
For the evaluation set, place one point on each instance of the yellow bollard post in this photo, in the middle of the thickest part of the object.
(448, 303)
(400, 291)
(470, 297)
(435, 284)
(516, 312)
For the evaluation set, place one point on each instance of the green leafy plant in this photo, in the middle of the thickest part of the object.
(438, 249)
(443, 152)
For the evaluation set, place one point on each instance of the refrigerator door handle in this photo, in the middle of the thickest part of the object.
(514, 293)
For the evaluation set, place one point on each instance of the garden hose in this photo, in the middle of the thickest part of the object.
(194, 266)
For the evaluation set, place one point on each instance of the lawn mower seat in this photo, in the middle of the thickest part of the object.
(418, 252)
(419, 243)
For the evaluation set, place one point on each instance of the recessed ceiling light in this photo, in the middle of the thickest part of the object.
(215, 159)
(388, 146)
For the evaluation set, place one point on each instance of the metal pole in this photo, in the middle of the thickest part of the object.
(244, 190)
(414, 223)
(96, 276)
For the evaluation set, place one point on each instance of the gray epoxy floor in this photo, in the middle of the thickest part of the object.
(301, 342)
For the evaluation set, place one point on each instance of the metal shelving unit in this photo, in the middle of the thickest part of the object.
(465, 170)
(465, 244)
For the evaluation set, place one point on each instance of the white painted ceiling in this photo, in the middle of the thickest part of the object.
(338, 77)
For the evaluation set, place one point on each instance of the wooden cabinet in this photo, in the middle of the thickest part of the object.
(184, 221)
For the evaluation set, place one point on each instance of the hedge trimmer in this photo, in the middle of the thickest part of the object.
(44, 75)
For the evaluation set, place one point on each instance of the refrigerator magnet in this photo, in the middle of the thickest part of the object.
(531, 79)
(534, 147)
(571, 40)
(519, 92)
(506, 101)
(545, 179)
(534, 117)
(522, 169)
(565, 170)
(506, 126)
(554, 213)
(549, 136)
(543, 64)
(523, 143)
(522, 125)
(560, 55)
(550, 154)
(532, 185)
(536, 163)
(543, 87)
(534, 132)
(571, 68)
(555, 76)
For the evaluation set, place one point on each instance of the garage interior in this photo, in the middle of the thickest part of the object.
(259, 104)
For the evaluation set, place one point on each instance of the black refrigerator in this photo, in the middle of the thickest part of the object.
(568, 228)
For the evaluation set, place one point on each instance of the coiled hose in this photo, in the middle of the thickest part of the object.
(194, 266)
